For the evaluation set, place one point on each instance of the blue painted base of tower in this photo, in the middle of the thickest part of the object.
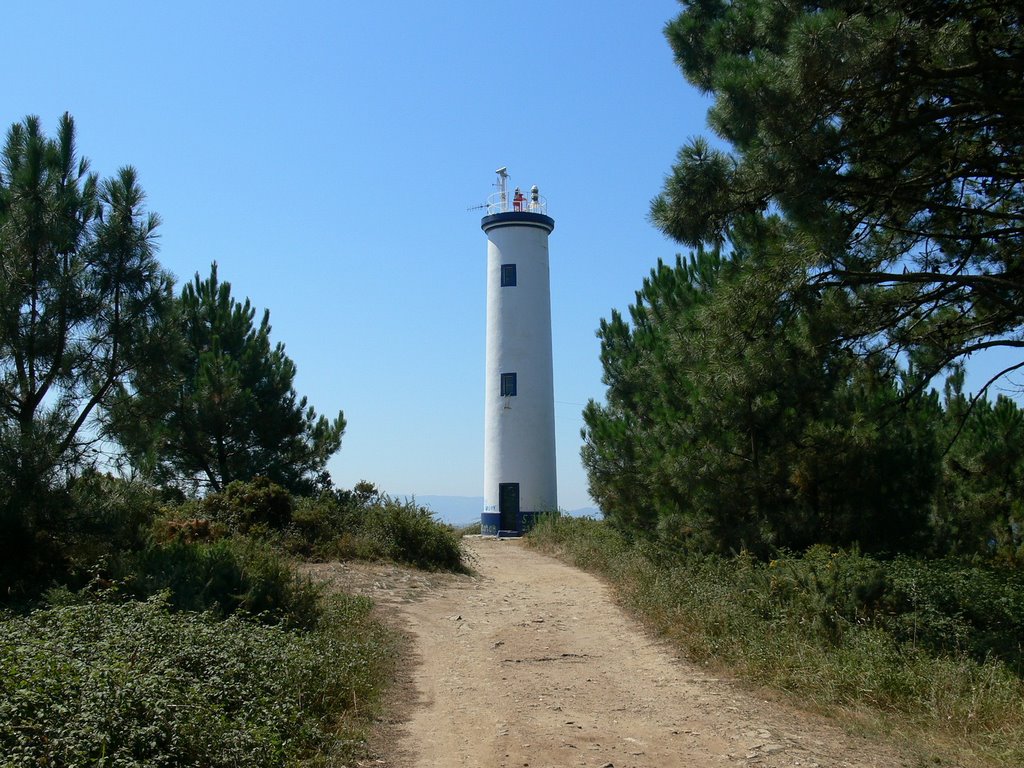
(490, 524)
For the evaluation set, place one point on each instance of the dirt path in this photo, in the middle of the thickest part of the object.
(532, 664)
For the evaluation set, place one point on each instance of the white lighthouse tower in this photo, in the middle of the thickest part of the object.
(519, 415)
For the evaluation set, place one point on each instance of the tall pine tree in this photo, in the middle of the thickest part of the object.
(80, 295)
(889, 134)
(224, 406)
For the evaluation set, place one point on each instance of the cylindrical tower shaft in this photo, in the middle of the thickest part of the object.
(519, 415)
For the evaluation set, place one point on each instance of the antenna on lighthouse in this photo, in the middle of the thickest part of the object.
(502, 187)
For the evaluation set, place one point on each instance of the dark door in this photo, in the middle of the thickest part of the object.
(508, 505)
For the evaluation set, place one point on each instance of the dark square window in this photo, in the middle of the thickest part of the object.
(508, 385)
(508, 275)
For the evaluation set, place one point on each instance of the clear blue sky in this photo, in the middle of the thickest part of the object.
(325, 155)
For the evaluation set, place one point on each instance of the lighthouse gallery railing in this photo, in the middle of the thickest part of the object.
(504, 203)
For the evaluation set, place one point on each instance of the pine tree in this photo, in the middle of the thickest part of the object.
(224, 406)
(80, 295)
(889, 135)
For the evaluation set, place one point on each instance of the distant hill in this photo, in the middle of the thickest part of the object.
(463, 510)
(456, 510)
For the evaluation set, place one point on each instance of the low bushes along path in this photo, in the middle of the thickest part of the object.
(531, 664)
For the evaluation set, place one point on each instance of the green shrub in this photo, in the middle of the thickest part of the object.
(947, 606)
(134, 684)
(589, 543)
(254, 504)
(225, 577)
(319, 523)
(109, 514)
(366, 524)
(830, 591)
(408, 533)
(71, 527)
(317, 519)
(362, 523)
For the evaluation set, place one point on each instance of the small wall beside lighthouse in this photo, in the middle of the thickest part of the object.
(519, 418)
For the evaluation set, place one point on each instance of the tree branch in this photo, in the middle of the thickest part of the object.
(975, 399)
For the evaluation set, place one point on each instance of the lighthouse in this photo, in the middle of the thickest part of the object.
(519, 411)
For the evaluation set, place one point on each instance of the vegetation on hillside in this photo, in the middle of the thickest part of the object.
(185, 635)
(90, 681)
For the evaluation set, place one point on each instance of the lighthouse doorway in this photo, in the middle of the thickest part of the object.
(508, 506)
